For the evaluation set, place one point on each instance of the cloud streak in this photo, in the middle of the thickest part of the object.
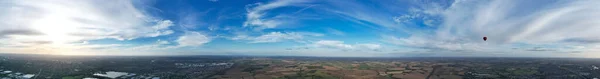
(343, 46)
(192, 39)
(356, 28)
(276, 37)
(58, 24)
(509, 22)
(257, 14)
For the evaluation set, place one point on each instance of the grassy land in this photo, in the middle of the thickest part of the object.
(364, 66)
(72, 77)
(312, 74)
(315, 67)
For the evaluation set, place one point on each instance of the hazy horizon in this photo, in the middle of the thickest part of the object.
(322, 28)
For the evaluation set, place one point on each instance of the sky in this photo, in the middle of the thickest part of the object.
(327, 28)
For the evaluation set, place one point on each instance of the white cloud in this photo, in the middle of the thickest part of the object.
(66, 22)
(426, 13)
(161, 42)
(159, 45)
(510, 22)
(192, 39)
(429, 22)
(546, 23)
(377, 18)
(276, 37)
(257, 14)
(540, 49)
(423, 42)
(335, 32)
(343, 46)
(84, 20)
(333, 44)
(191, 20)
(369, 46)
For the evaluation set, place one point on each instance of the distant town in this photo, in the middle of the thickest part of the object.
(16, 66)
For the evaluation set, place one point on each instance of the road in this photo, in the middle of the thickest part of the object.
(432, 71)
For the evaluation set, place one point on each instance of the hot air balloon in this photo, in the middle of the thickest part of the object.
(484, 38)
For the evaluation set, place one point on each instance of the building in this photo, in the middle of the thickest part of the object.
(111, 74)
(28, 76)
(5, 72)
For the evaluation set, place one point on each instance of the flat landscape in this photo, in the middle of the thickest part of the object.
(282, 67)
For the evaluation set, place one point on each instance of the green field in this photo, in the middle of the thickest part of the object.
(315, 67)
(364, 66)
(312, 74)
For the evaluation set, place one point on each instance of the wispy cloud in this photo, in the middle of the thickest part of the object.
(65, 22)
(10, 32)
(540, 49)
(257, 12)
(423, 12)
(417, 41)
(507, 22)
(277, 37)
(343, 46)
(553, 22)
(192, 39)
(335, 32)
(333, 44)
(439, 28)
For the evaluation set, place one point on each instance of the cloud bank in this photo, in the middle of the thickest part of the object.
(309, 27)
(63, 23)
(509, 23)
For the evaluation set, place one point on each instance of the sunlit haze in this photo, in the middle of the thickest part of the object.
(328, 28)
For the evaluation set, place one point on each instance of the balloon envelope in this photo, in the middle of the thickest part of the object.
(484, 38)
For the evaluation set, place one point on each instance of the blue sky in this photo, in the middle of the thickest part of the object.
(350, 28)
